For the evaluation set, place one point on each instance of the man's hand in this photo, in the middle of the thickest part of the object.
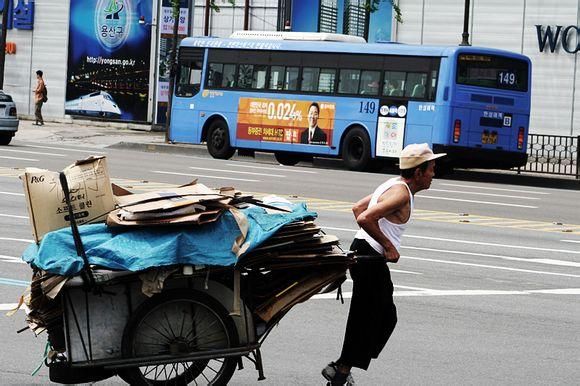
(391, 255)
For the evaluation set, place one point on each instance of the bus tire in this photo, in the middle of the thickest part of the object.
(356, 149)
(287, 159)
(218, 140)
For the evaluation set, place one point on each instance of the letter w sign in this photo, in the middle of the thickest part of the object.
(550, 36)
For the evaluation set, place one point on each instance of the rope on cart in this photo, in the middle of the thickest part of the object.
(45, 356)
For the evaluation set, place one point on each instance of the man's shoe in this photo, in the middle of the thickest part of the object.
(335, 377)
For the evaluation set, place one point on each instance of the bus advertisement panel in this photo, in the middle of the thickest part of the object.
(286, 121)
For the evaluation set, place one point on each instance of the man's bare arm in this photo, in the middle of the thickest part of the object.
(361, 206)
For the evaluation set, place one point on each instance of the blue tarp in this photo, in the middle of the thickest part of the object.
(136, 249)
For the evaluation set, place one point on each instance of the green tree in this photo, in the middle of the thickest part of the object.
(372, 5)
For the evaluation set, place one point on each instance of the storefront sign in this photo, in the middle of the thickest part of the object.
(288, 121)
(555, 36)
(108, 59)
(20, 16)
(167, 21)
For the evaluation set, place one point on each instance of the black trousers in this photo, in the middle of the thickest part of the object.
(373, 315)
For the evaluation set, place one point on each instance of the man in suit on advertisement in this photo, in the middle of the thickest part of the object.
(313, 135)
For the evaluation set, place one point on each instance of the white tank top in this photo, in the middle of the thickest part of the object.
(394, 232)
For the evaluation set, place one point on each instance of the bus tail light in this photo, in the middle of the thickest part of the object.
(521, 134)
(456, 130)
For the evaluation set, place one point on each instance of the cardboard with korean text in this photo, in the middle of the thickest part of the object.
(90, 194)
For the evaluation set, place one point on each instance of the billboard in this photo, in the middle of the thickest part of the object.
(109, 59)
(287, 121)
(342, 16)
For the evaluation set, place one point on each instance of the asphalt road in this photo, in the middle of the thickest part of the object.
(487, 288)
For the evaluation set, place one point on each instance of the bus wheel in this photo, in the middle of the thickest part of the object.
(218, 140)
(356, 149)
(287, 159)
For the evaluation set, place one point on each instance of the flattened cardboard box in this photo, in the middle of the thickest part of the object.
(90, 193)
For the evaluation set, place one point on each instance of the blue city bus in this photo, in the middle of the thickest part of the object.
(304, 95)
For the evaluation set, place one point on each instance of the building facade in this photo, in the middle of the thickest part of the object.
(545, 31)
(60, 35)
(548, 32)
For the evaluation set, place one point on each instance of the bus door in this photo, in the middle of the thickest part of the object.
(184, 112)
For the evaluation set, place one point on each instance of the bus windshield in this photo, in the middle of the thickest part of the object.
(492, 72)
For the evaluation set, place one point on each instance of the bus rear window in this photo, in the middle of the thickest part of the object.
(492, 71)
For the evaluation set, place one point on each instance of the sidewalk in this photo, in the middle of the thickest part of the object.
(87, 133)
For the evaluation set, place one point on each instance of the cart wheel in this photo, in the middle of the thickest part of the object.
(180, 322)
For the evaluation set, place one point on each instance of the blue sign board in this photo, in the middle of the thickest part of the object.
(20, 16)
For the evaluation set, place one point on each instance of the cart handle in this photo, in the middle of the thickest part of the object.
(87, 273)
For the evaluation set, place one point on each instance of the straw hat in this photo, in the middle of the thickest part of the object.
(415, 154)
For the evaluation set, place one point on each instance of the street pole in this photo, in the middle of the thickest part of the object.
(172, 65)
(3, 43)
(465, 34)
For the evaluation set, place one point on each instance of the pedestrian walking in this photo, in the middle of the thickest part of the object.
(382, 216)
(39, 98)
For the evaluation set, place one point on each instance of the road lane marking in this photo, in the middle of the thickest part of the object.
(12, 194)
(570, 241)
(246, 165)
(467, 242)
(489, 266)
(13, 216)
(558, 291)
(33, 152)
(66, 149)
(483, 194)
(403, 271)
(9, 306)
(203, 176)
(477, 202)
(11, 259)
(238, 172)
(492, 244)
(563, 263)
(13, 282)
(20, 159)
(498, 189)
(14, 239)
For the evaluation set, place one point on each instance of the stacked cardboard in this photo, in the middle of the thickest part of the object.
(290, 267)
(189, 204)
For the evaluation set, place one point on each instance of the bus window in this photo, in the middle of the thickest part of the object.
(229, 75)
(291, 79)
(189, 79)
(394, 83)
(433, 87)
(348, 81)
(215, 78)
(259, 77)
(310, 78)
(415, 85)
(369, 84)
(245, 75)
(326, 80)
(276, 78)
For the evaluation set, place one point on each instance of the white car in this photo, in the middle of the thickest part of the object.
(8, 120)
